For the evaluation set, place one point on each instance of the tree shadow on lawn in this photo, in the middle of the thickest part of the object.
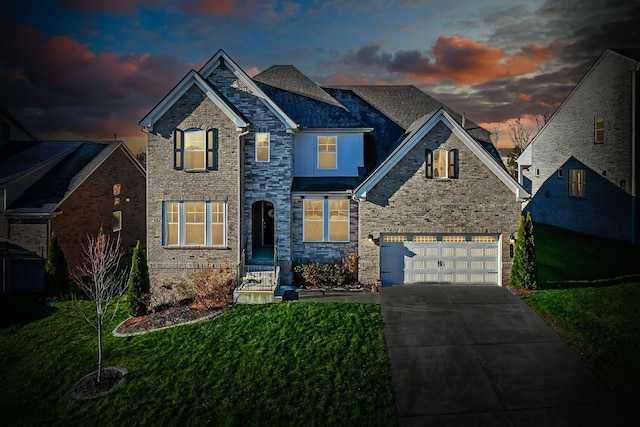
(23, 309)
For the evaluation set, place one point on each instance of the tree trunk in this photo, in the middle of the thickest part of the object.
(99, 376)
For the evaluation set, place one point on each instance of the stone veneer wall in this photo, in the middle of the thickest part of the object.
(270, 181)
(405, 201)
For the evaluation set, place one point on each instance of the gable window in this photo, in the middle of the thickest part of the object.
(327, 152)
(577, 183)
(326, 220)
(441, 164)
(599, 130)
(195, 149)
(194, 223)
(117, 220)
(263, 147)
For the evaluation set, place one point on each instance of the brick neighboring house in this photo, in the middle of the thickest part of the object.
(70, 188)
(276, 169)
(582, 165)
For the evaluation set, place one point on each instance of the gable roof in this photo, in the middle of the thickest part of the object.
(416, 131)
(290, 79)
(221, 59)
(9, 118)
(34, 157)
(46, 194)
(193, 78)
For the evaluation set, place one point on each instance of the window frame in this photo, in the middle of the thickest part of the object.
(209, 151)
(186, 151)
(320, 153)
(577, 186)
(450, 167)
(182, 222)
(326, 220)
(598, 130)
(267, 147)
(117, 220)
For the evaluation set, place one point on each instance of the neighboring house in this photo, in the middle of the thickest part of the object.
(276, 169)
(582, 165)
(70, 188)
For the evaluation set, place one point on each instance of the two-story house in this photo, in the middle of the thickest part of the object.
(276, 169)
(582, 165)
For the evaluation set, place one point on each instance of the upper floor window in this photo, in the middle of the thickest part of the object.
(195, 149)
(327, 152)
(577, 183)
(194, 223)
(599, 130)
(117, 220)
(442, 163)
(326, 220)
(263, 147)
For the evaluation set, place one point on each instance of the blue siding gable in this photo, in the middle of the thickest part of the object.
(349, 154)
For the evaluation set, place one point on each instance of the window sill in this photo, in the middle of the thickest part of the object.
(326, 241)
(196, 170)
(173, 247)
(442, 179)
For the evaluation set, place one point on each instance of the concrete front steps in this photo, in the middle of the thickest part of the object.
(258, 285)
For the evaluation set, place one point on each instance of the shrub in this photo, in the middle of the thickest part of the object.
(56, 274)
(169, 293)
(335, 274)
(138, 286)
(212, 287)
(523, 272)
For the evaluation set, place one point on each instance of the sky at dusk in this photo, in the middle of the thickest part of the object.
(89, 69)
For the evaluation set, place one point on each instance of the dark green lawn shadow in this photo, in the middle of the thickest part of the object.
(20, 309)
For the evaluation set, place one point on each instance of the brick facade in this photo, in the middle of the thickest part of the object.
(606, 91)
(92, 204)
(405, 201)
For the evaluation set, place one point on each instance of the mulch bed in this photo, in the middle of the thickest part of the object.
(171, 316)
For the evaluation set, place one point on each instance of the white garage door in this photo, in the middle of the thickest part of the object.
(416, 258)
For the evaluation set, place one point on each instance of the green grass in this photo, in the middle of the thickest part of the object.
(603, 326)
(276, 364)
(566, 259)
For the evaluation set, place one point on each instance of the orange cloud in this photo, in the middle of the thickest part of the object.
(524, 97)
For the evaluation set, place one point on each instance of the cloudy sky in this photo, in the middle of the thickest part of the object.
(93, 68)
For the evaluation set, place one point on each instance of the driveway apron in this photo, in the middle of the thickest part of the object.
(478, 355)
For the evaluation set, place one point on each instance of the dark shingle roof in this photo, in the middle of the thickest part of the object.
(404, 104)
(309, 112)
(631, 53)
(32, 158)
(290, 79)
(45, 194)
(326, 184)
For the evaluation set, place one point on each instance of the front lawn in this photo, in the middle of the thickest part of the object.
(275, 364)
(567, 259)
(603, 326)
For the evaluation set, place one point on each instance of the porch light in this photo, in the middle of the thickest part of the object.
(370, 238)
(512, 239)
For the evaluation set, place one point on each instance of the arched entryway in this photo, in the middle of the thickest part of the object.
(262, 230)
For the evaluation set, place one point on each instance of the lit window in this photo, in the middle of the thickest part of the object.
(313, 221)
(577, 183)
(171, 223)
(441, 164)
(327, 152)
(599, 130)
(194, 149)
(187, 224)
(116, 189)
(117, 220)
(339, 220)
(217, 224)
(333, 227)
(263, 153)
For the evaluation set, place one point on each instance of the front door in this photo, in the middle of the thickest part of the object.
(262, 214)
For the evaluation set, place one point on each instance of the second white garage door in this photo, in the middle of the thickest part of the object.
(430, 258)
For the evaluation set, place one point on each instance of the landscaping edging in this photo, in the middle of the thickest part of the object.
(77, 391)
(130, 334)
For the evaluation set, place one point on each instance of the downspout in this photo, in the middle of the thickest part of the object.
(241, 200)
(634, 101)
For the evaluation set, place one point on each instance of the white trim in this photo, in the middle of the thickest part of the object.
(192, 78)
(326, 152)
(441, 116)
(214, 62)
(334, 130)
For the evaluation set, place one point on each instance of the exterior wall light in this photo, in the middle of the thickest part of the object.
(370, 238)
(512, 241)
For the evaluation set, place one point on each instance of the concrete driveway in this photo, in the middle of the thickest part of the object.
(478, 355)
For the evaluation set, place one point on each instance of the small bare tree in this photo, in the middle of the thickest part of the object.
(495, 135)
(98, 277)
(520, 134)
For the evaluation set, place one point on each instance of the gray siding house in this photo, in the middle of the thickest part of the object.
(271, 170)
(582, 165)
